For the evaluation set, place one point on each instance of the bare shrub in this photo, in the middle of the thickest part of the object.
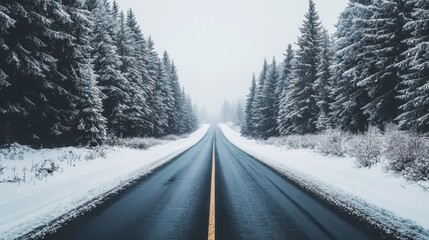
(407, 154)
(91, 155)
(24, 173)
(101, 151)
(173, 137)
(301, 141)
(46, 168)
(367, 148)
(15, 177)
(2, 168)
(14, 151)
(276, 141)
(293, 141)
(333, 142)
(136, 143)
(308, 141)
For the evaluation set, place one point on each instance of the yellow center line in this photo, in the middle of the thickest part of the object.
(212, 200)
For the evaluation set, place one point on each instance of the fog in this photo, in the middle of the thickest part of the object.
(218, 45)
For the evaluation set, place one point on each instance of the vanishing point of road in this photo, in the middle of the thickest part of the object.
(213, 191)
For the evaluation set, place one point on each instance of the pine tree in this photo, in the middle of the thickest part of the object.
(161, 98)
(302, 95)
(114, 86)
(91, 123)
(62, 76)
(283, 121)
(91, 5)
(170, 100)
(259, 100)
(7, 23)
(322, 86)
(239, 114)
(415, 93)
(88, 126)
(348, 97)
(34, 96)
(131, 70)
(177, 127)
(267, 125)
(70, 69)
(189, 117)
(286, 69)
(249, 126)
(154, 99)
(133, 51)
(116, 14)
(384, 38)
(184, 113)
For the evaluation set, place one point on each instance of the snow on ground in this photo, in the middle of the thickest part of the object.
(77, 177)
(380, 195)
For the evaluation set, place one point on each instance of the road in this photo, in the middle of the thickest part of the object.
(250, 201)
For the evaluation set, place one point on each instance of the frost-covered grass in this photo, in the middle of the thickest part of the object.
(38, 186)
(142, 143)
(376, 193)
(22, 164)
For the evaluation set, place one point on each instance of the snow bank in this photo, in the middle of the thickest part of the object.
(382, 196)
(80, 179)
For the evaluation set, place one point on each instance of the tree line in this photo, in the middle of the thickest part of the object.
(75, 72)
(374, 70)
(232, 112)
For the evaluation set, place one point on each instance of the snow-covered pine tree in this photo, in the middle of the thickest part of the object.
(172, 118)
(322, 86)
(267, 126)
(114, 86)
(115, 13)
(384, 45)
(238, 118)
(57, 110)
(86, 123)
(302, 95)
(177, 127)
(249, 126)
(7, 23)
(139, 54)
(89, 125)
(284, 124)
(349, 98)
(91, 128)
(91, 5)
(259, 100)
(154, 99)
(161, 96)
(32, 90)
(189, 118)
(131, 70)
(415, 92)
(286, 69)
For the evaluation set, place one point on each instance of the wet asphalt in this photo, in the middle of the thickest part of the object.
(252, 201)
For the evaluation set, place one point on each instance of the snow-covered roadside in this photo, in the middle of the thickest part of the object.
(380, 195)
(27, 206)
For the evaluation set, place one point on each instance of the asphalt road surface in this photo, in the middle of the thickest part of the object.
(250, 201)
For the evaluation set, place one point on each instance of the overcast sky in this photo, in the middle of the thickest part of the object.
(218, 44)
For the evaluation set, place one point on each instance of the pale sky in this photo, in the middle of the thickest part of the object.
(218, 44)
